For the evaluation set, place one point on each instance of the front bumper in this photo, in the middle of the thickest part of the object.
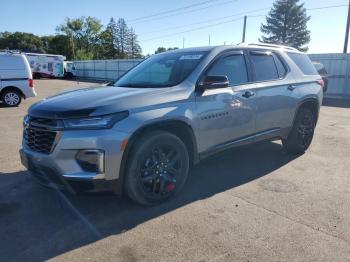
(60, 169)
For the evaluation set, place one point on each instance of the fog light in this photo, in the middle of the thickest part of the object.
(91, 160)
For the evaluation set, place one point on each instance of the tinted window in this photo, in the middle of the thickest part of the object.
(167, 69)
(264, 67)
(304, 63)
(233, 67)
(280, 67)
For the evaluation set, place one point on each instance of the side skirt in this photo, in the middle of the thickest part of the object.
(271, 134)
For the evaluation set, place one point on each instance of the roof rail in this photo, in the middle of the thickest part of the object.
(273, 45)
(10, 51)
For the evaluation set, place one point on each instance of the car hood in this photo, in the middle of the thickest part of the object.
(100, 101)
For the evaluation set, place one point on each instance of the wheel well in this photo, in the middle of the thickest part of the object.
(312, 105)
(178, 128)
(11, 88)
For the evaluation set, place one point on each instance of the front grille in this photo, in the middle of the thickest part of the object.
(39, 140)
(39, 134)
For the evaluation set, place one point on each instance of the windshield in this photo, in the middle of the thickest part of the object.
(163, 70)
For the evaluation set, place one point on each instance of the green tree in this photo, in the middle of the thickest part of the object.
(25, 42)
(160, 50)
(109, 41)
(84, 34)
(286, 24)
(172, 48)
(59, 45)
(122, 38)
(119, 41)
(80, 38)
(134, 48)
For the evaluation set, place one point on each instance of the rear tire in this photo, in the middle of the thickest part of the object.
(300, 137)
(157, 168)
(11, 98)
(36, 75)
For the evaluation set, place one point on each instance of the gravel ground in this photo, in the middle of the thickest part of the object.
(253, 203)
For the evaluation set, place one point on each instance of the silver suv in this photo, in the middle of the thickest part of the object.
(142, 135)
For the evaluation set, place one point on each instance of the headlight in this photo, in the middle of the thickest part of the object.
(96, 122)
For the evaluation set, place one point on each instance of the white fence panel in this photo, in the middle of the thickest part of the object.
(106, 70)
(337, 66)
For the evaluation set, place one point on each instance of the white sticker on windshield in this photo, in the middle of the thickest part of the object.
(190, 57)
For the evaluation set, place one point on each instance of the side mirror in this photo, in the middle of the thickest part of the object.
(213, 82)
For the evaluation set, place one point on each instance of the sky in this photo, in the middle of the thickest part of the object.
(221, 21)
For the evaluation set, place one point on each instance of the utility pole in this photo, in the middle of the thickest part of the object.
(347, 31)
(73, 48)
(183, 42)
(244, 28)
(209, 40)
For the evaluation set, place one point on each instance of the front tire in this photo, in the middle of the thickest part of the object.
(11, 98)
(157, 168)
(301, 135)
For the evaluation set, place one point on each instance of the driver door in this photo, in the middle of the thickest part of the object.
(226, 115)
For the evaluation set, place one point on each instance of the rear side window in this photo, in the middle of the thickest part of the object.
(233, 66)
(264, 66)
(304, 63)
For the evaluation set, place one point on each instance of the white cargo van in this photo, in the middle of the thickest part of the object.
(16, 80)
(69, 69)
(46, 65)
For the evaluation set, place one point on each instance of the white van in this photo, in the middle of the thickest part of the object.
(16, 80)
(69, 69)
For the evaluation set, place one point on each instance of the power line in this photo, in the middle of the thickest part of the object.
(234, 15)
(325, 7)
(309, 9)
(205, 21)
(195, 29)
(229, 21)
(173, 10)
(182, 13)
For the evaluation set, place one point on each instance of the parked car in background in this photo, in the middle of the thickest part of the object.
(323, 73)
(172, 110)
(45, 65)
(16, 80)
(69, 69)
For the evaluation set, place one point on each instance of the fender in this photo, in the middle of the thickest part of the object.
(309, 99)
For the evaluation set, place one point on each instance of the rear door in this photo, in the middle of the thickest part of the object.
(226, 115)
(276, 98)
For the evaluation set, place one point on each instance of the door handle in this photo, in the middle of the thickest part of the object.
(291, 87)
(248, 94)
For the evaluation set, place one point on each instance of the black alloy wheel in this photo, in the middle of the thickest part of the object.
(157, 168)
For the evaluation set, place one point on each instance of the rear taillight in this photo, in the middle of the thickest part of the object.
(320, 82)
(31, 83)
